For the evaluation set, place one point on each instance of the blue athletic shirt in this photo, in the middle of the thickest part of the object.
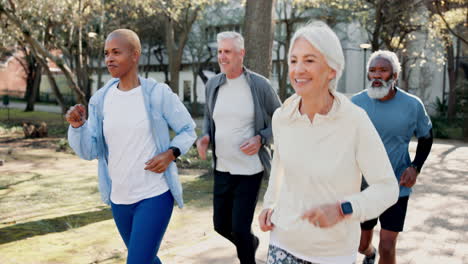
(396, 121)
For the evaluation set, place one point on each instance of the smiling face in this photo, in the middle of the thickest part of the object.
(230, 58)
(309, 72)
(381, 78)
(120, 57)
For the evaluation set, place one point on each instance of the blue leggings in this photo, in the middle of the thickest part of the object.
(142, 226)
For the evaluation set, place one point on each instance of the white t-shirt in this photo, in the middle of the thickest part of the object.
(130, 143)
(233, 116)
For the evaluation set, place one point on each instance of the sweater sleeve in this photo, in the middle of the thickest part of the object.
(206, 129)
(83, 139)
(373, 161)
(277, 173)
(179, 119)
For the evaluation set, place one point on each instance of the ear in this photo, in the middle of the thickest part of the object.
(331, 74)
(242, 52)
(136, 55)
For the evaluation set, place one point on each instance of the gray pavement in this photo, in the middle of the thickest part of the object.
(436, 229)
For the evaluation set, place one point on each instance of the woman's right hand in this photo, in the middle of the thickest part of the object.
(264, 220)
(76, 115)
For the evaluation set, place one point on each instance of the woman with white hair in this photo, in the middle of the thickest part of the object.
(323, 144)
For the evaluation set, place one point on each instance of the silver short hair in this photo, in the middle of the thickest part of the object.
(238, 39)
(389, 56)
(322, 37)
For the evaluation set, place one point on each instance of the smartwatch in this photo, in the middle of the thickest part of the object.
(175, 152)
(414, 166)
(346, 209)
(262, 140)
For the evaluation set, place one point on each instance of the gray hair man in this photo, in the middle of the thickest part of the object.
(237, 126)
(397, 116)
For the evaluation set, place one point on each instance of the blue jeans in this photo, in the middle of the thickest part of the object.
(142, 226)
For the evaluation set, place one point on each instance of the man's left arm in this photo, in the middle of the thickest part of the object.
(425, 139)
(271, 103)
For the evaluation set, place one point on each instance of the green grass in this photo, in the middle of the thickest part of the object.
(57, 126)
(19, 115)
(191, 160)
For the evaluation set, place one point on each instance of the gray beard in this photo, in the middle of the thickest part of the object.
(378, 92)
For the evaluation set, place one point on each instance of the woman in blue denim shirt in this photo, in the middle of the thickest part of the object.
(128, 132)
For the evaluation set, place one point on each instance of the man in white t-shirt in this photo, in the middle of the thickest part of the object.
(239, 104)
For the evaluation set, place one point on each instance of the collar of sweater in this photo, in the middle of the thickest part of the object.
(290, 108)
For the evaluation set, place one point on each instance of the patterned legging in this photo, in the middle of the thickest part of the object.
(277, 255)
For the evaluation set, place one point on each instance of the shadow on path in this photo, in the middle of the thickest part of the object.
(53, 225)
(6, 186)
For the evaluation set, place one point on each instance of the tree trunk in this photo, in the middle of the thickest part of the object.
(53, 85)
(99, 72)
(100, 54)
(30, 68)
(405, 73)
(174, 64)
(202, 75)
(452, 100)
(34, 88)
(195, 85)
(278, 67)
(81, 70)
(175, 49)
(148, 60)
(285, 66)
(84, 80)
(258, 34)
(378, 25)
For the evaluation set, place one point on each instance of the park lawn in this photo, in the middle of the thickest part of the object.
(56, 123)
(50, 208)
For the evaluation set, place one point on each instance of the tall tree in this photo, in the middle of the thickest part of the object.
(391, 25)
(449, 21)
(180, 15)
(201, 54)
(289, 14)
(258, 34)
(31, 61)
(55, 26)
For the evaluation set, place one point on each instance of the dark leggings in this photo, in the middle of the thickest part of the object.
(142, 226)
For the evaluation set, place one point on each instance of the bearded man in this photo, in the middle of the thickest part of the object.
(397, 116)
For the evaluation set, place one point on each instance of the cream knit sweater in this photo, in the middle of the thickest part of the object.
(322, 162)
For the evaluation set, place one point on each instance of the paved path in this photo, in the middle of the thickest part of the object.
(37, 107)
(436, 230)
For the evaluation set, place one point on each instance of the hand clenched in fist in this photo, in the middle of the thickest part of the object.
(76, 115)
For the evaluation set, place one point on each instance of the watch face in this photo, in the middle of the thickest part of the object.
(347, 208)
